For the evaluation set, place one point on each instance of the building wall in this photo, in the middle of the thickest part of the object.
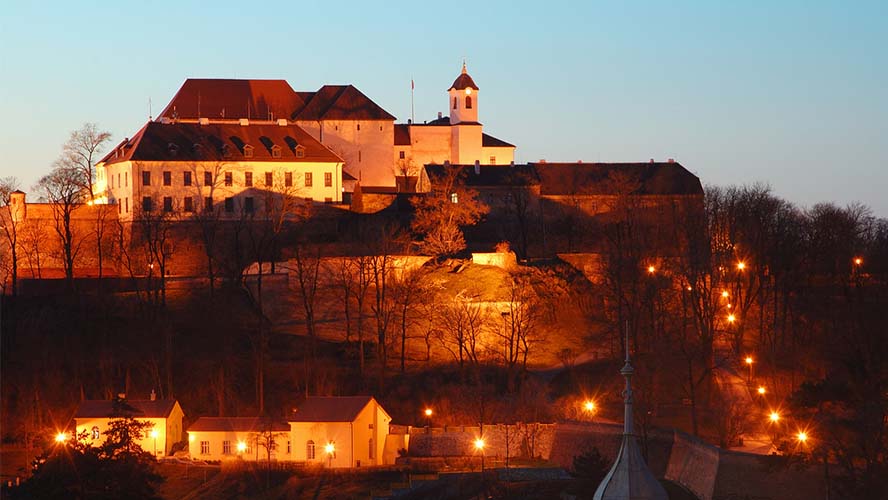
(465, 144)
(255, 447)
(501, 156)
(131, 193)
(169, 432)
(365, 145)
(321, 433)
(429, 144)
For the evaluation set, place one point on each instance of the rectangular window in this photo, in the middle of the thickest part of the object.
(208, 204)
(248, 179)
(248, 204)
(208, 178)
(229, 179)
(146, 178)
(188, 203)
(493, 160)
(126, 205)
(118, 180)
(167, 203)
(204, 447)
(229, 204)
(359, 155)
(288, 179)
(328, 179)
(125, 179)
(167, 178)
(401, 155)
(308, 180)
(269, 179)
(146, 204)
(226, 447)
(288, 447)
(119, 207)
(186, 178)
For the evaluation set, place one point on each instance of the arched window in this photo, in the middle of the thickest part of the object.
(454, 102)
(310, 450)
(468, 102)
(95, 432)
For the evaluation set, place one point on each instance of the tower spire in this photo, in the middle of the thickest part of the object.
(464, 71)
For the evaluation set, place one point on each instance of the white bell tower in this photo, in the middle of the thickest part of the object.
(463, 99)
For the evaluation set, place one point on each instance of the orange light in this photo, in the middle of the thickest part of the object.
(802, 436)
(479, 444)
(689, 288)
(329, 448)
(725, 294)
(589, 406)
(468, 90)
(761, 390)
(241, 446)
(731, 318)
(741, 265)
(774, 416)
(729, 306)
(651, 269)
(61, 437)
(428, 412)
(858, 261)
(748, 360)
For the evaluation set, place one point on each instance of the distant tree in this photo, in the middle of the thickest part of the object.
(63, 189)
(12, 227)
(80, 154)
(521, 326)
(444, 211)
(462, 322)
(409, 291)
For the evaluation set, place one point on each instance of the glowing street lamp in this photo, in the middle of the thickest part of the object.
(748, 359)
(741, 265)
(761, 390)
(61, 437)
(589, 406)
(774, 417)
(479, 445)
(725, 294)
(330, 449)
(731, 318)
(651, 269)
(428, 414)
(154, 436)
(802, 436)
(241, 446)
(858, 261)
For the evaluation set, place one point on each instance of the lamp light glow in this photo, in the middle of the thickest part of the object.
(428, 412)
(329, 448)
(748, 360)
(761, 390)
(802, 436)
(589, 406)
(651, 269)
(61, 437)
(774, 416)
(741, 265)
(479, 444)
(241, 446)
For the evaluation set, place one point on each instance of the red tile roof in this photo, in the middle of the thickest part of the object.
(463, 81)
(220, 142)
(139, 408)
(340, 102)
(402, 134)
(227, 98)
(488, 175)
(331, 409)
(238, 424)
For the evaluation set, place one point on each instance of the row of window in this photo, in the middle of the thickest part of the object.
(228, 179)
(189, 204)
(227, 450)
(310, 448)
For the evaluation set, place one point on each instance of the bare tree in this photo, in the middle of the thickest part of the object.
(62, 188)
(521, 330)
(442, 212)
(408, 293)
(81, 153)
(462, 322)
(12, 219)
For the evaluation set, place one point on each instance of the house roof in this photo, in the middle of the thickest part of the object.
(489, 141)
(235, 424)
(402, 134)
(340, 102)
(331, 408)
(139, 408)
(228, 98)
(489, 175)
(463, 81)
(220, 142)
(659, 178)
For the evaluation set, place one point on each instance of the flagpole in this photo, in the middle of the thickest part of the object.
(412, 115)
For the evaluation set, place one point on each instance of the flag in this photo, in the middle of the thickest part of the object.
(412, 86)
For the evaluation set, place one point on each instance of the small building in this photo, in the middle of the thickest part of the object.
(165, 416)
(340, 431)
(245, 438)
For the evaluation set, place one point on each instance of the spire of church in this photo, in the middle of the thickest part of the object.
(464, 66)
(629, 478)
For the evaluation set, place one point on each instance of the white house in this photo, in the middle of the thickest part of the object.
(340, 431)
(246, 438)
(164, 415)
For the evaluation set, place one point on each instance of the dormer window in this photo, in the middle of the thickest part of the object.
(197, 149)
(226, 151)
(300, 152)
(173, 148)
(275, 151)
(248, 151)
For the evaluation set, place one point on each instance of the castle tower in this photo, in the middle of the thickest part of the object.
(463, 99)
(465, 131)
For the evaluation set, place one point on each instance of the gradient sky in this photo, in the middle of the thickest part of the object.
(793, 94)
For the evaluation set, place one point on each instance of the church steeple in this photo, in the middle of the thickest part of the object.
(463, 99)
(629, 478)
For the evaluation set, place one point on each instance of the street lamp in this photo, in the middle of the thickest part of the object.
(651, 269)
(748, 361)
(741, 265)
(428, 414)
(61, 437)
(731, 318)
(802, 436)
(858, 261)
(330, 449)
(241, 446)
(589, 406)
(725, 294)
(154, 435)
(774, 417)
(761, 390)
(479, 445)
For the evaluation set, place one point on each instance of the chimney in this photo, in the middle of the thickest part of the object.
(542, 160)
(477, 167)
(670, 160)
(153, 395)
(446, 163)
(440, 115)
(409, 121)
(512, 163)
(652, 160)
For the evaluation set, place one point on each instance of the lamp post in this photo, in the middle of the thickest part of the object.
(479, 445)
(589, 407)
(749, 362)
(154, 436)
(330, 449)
(61, 437)
(428, 415)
